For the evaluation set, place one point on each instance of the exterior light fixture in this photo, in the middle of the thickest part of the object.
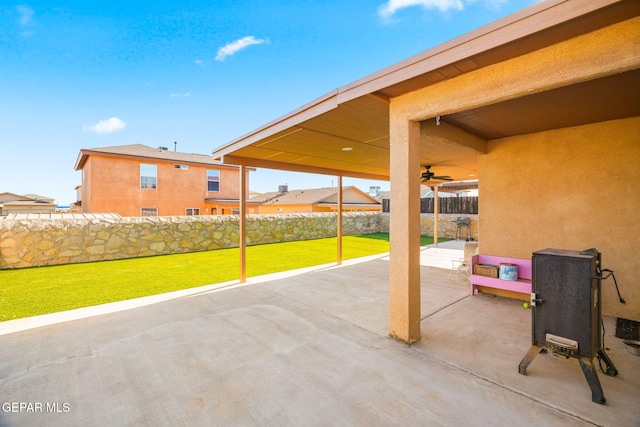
(347, 148)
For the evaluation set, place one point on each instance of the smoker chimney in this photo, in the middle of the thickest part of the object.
(283, 188)
(175, 146)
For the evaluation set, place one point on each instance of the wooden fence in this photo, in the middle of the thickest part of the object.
(447, 205)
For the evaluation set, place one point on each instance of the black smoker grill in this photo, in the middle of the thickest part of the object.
(566, 311)
(463, 222)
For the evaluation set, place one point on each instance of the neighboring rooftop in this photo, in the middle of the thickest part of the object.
(40, 198)
(11, 203)
(13, 197)
(66, 215)
(326, 195)
(144, 151)
(300, 197)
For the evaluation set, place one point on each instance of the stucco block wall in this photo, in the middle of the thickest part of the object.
(573, 188)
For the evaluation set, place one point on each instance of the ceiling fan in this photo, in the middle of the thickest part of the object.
(426, 176)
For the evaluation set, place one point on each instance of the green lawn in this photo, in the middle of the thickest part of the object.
(33, 291)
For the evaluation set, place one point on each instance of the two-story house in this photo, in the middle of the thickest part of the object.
(138, 180)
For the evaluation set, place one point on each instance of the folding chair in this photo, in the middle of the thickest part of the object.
(463, 265)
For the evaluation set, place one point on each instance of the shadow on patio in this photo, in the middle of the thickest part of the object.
(307, 349)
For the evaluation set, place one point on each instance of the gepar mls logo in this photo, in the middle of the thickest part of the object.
(26, 407)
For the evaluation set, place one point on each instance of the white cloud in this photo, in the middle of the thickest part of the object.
(25, 14)
(496, 4)
(392, 6)
(199, 62)
(112, 124)
(25, 20)
(180, 95)
(236, 46)
(387, 10)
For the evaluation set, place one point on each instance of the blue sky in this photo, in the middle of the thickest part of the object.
(83, 74)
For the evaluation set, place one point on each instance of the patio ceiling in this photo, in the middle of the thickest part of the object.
(313, 138)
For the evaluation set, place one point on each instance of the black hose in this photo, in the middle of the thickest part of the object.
(606, 270)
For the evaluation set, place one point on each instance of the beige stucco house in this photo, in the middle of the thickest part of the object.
(316, 200)
(542, 107)
(11, 203)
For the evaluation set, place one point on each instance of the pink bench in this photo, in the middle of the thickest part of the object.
(522, 285)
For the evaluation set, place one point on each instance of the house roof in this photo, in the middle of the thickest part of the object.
(228, 200)
(144, 151)
(12, 197)
(311, 138)
(39, 197)
(103, 215)
(458, 186)
(29, 203)
(327, 195)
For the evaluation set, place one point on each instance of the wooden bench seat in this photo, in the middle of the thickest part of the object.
(522, 285)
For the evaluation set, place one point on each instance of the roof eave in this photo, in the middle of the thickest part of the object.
(540, 16)
(80, 161)
(86, 153)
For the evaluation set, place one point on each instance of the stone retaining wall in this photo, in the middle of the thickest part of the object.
(31, 243)
(447, 225)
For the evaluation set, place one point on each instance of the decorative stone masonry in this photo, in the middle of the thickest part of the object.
(447, 224)
(31, 243)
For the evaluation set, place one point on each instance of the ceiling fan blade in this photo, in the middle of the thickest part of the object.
(426, 176)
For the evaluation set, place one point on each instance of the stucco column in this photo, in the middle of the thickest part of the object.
(404, 269)
(436, 211)
(339, 220)
(243, 223)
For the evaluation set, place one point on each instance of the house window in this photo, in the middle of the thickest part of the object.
(181, 167)
(148, 211)
(148, 176)
(192, 211)
(213, 180)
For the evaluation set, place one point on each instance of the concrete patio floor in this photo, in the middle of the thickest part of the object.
(303, 349)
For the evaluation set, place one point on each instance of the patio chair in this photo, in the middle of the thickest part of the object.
(463, 265)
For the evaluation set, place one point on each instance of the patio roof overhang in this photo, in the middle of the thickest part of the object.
(356, 116)
(457, 186)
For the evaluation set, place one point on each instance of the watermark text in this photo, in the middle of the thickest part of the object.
(26, 407)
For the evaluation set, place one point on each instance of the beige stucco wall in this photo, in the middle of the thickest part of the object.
(608, 51)
(503, 224)
(573, 188)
